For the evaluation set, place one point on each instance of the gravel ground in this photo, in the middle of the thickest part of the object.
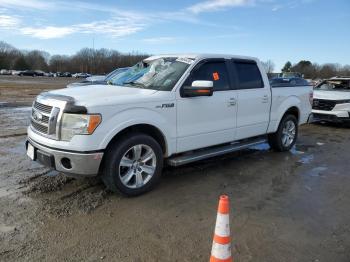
(291, 206)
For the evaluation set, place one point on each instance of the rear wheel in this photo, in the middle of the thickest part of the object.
(133, 164)
(286, 134)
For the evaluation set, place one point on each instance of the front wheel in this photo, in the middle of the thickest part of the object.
(286, 134)
(133, 164)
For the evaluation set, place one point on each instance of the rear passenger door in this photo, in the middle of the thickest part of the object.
(253, 99)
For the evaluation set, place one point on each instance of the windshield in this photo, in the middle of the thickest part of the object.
(334, 85)
(159, 74)
(112, 74)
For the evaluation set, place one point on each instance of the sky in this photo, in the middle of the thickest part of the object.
(279, 30)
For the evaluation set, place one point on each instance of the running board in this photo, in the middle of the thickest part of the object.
(213, 151)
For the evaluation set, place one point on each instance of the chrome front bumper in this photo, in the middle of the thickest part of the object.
(68, 162)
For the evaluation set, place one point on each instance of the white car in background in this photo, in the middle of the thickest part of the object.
(81, 75)
(15, 72)
(5, 72)
(332, 100)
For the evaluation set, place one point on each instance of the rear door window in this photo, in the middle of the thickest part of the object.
(249, 76)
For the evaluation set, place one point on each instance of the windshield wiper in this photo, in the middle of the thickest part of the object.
(133, 83)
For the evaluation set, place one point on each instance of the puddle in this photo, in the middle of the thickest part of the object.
(18, 149)
(261, 147)
(3, 104)
(23, 109)
(306, 159)
(294, 151)
(317, 171)
(52, 173)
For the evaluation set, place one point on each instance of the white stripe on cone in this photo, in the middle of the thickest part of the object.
(221, 251)
(222, 226)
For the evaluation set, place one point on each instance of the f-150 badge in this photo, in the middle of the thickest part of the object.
(166, 105)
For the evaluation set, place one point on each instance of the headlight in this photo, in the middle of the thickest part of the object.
(78, 124)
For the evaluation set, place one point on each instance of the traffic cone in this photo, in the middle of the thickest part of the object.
(221, 249)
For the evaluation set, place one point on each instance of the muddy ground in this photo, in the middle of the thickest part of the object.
(21, 90)
(290, 206)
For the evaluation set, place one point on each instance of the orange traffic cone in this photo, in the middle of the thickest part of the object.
(221, 249)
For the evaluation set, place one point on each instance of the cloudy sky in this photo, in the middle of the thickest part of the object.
(279, 30)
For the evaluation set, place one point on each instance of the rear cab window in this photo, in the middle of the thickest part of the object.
(248, 75)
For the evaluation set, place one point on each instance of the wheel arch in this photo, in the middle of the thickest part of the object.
(148, 129)
(289, 106)
(294, 110)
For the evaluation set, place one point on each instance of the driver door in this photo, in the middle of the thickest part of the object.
(207, 120)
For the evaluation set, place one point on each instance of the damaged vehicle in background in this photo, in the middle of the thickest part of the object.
(332, 100)
(98, 80)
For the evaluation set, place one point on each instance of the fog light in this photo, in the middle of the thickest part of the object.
(66, 163)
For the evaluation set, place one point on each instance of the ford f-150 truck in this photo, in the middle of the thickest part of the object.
(172, 109)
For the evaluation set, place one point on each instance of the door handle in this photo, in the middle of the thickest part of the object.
(265, 99)
(232, 102)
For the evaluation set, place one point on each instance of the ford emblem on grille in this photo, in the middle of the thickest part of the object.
(37, 116)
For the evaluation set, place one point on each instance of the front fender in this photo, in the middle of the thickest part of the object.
(164, 121)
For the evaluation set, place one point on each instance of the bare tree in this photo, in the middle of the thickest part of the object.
(269, 66)
(103, 60)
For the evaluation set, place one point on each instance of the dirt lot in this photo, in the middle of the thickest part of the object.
(290, 206)
(21, 90)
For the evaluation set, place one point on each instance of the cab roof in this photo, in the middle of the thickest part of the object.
(201, 56)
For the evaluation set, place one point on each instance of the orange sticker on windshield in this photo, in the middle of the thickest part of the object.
(216, 76)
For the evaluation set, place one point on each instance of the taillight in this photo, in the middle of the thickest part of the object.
(311, 97)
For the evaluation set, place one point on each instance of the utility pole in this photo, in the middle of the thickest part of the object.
(93, 54)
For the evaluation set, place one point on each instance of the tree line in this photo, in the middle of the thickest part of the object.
(316, 71)
(86, 60)
(103, 60)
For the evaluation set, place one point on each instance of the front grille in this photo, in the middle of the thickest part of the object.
(43, 108)
(40, 117)
(322, 104)
(45, 119)
(40, 128)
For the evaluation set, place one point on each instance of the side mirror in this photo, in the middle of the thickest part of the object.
(199, 88)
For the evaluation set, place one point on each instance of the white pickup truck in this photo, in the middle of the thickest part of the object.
(172, 109)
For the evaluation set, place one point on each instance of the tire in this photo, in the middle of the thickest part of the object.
(143, 160)
(286, 135)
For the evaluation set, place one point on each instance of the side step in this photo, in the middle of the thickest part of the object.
(214, 151)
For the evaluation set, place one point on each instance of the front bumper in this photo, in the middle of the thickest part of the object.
(68, 162)
(331, 116)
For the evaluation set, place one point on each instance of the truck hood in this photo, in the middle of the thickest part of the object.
(331, 95)
(94, 95)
